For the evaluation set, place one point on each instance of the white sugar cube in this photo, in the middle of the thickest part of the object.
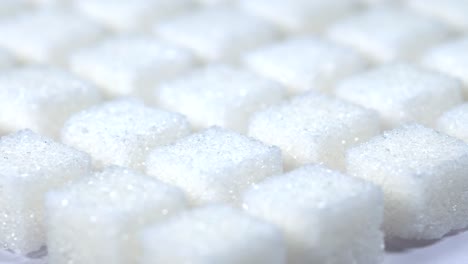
(213, 234)
(402, 93)
(305, 63)
(122, 132)
(299, 16)
(214, 165)
(98, 218)
(217, 33)
(124, 15)
(314, 128)
(130, 65)
(41, 98)
(389, 34)
(46, 35)
(326, 216)
(30, 165)
(423, 175)
(450, 58)
(455, 122)
(219, 95)
(452, 12)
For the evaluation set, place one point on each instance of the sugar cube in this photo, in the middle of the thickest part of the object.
(214, 165)
(402, 93)
(305, 63)
(130, 65)
(217, 33)
(219, 95)
(299, 16)
(30, 165)
(122, 132)
(213, 234)
(423, 175)
(450, 58)
(41, 98)
(387, 33)
(135, 15)
(455, 122)
(314, 128)
(98, 218)
(326, 216)
(452, 12)
(24, 34)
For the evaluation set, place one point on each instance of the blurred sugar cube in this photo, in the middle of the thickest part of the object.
(97, 219)
(214, 165)
(122, 132)
(42, 98)
(326, 216)
(455, 122)
(387, 33)
(217, 33)
(213, 234)
(452, 12)
(314, 128)
(31, 165)
(26, 37)
(402, 93)
(130, 65)
(423, 175)
(219, 95)
(305, 63)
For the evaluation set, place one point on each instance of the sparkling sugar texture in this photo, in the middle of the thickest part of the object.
(135, 15)
(299, 16)
(389, 34)
(455, 122)
(214, 165)
(107, 209)
(122, 132)
(314, 128)
(402, 93)
(24, 34)
(130, 65)
(41, 98)
(217, 33)
(305, 63)
(30, 165)
(213, 234)
(450, 58)
(452, 12)
(327, 217)
(423, 176)
(219, 95)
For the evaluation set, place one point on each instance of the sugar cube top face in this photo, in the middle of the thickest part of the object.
(452, 12)
(219, 95)
(309, 205)
(108, 209)
(217, 33)
(214, 165)
(299, 16)
(122, 132)
(41, 98)
(24, 34)
(30, 166)
(124, 15)
(402, 93)
(213, 234)
(389, 34)
(455, 122)
(314, 128)
(130, 65)
(423, 175)
(305, 63)
(450, 58)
